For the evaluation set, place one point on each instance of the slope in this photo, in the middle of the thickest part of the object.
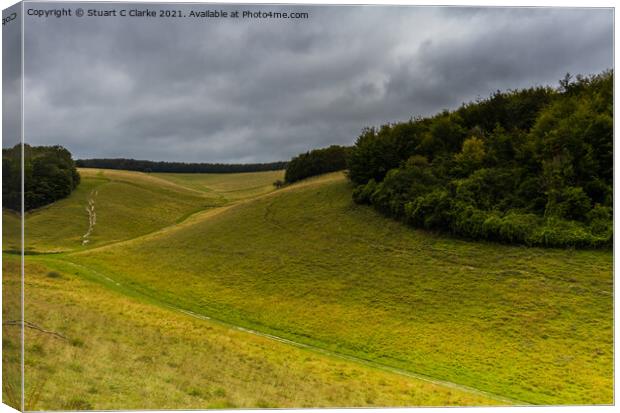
(124, 205)
(86, 342)
(307, 264)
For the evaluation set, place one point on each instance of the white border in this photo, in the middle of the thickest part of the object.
(476, 3)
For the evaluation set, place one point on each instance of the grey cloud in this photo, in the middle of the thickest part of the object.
(258, 91)
(11, 78)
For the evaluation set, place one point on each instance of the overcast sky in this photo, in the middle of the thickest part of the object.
(241, 90)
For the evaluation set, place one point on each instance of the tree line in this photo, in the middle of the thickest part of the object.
(177, 167)
(49, 175)
(531, 166)
(316, 162)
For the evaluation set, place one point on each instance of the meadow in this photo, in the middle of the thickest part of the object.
(179, 264)
(103, 337)
(129, 204)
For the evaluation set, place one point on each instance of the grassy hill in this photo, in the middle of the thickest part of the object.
(227, 187)
(129, 204)
(306, 264)
(120, 352)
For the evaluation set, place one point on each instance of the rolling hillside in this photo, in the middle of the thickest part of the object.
(306, 264)
(107, 336)
(129, 204)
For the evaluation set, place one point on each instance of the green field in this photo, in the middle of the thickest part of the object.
(374, 309)
(129, 204)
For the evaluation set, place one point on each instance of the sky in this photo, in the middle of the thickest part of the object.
(241, 90)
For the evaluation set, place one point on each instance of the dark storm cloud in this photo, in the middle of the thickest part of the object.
(11, 79)
(246, 91)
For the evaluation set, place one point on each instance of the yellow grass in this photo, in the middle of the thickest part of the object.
(304, 263)
(120, 353)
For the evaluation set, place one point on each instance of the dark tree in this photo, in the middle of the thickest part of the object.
(49, 175)
(316, 162)
(531, 166)
(177, 167)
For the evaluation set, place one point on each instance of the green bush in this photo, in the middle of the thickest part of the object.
(363, 193)
(600, 221)
(517, 227)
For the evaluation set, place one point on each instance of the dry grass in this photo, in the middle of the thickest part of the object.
(121, 353)
(129, 204)
(11, 335)
(228, 187)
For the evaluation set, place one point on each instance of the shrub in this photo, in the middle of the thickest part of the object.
(517, 227)
(363, 193)
(600, 221)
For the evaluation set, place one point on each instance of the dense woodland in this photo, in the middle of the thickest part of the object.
(316, 162)
(177, 167)
(532, 166)
(49, 175)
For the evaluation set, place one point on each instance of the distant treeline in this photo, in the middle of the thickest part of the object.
(177, 167)
(49, 175)
(316, 162)
(532, 166)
